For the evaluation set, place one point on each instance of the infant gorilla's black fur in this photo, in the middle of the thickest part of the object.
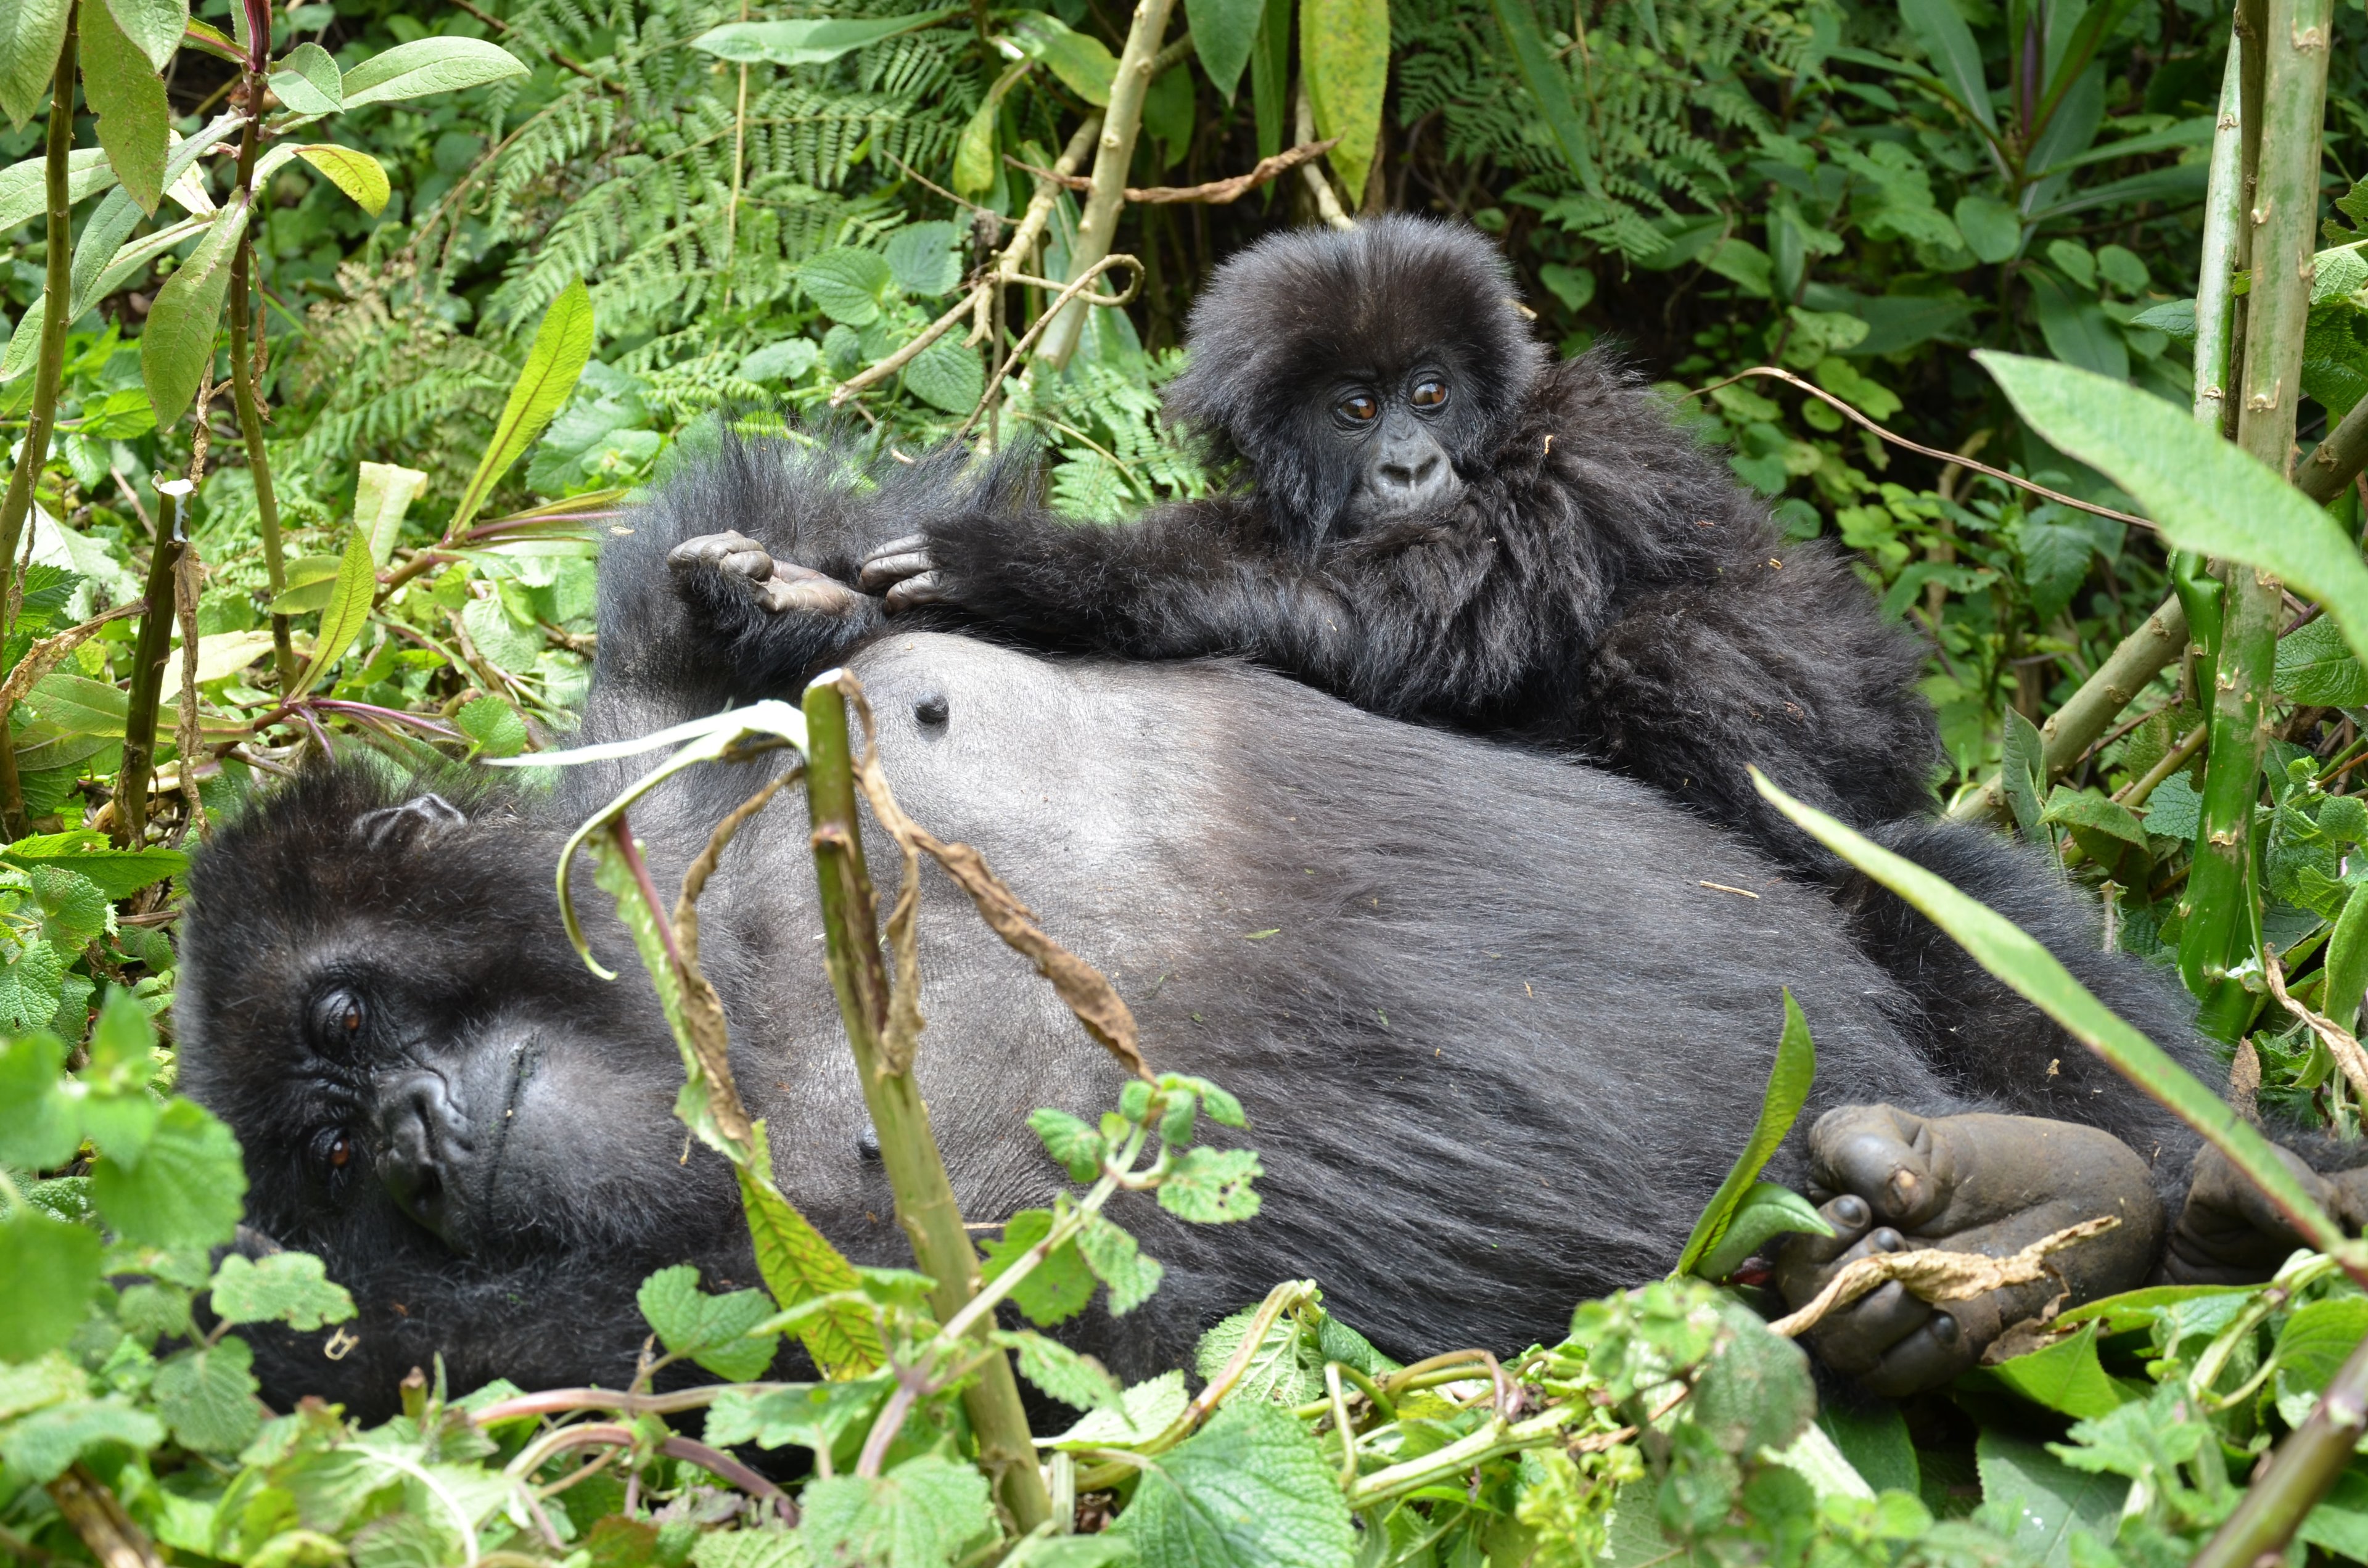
(1506, 1035)
(1428, 519)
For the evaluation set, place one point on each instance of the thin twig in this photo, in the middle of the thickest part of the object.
(1052, 313)
(1214, 193)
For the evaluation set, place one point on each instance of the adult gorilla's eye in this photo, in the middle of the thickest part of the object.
(341, 1018)
(1428, 392)
(1360, 407)
(332, 1148)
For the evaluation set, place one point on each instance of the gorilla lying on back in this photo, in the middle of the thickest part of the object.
(1502, 1032)
(1439, 525)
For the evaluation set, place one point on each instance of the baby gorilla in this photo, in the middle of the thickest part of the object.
(1436, 524)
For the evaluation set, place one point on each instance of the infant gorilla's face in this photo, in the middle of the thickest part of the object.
(1396, 436)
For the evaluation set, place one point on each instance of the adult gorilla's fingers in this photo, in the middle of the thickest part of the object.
(928, 588)
(732, 551)
(1881, 1153)
(1855, 1340)
(894, 561)
(1936, 1352)
(2227, 1232)
(1850, 1217)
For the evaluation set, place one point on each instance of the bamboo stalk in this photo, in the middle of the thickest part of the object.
(248, 396)
(926, 1206)
(150, 651)
(1098, 226)
(2223, 897)
(40, 423)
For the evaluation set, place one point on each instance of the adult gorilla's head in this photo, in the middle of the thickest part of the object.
(1357, 371)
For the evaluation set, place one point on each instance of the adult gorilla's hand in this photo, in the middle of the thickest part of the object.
(904, 574)
(2229, 1233)
(1889, 1180)
(777, 587)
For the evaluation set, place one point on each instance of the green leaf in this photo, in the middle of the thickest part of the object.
(711, 1330)
(103, 234)
(29, 987)
(1755, 1391)
(1055, 1289)
(922, 1514)
(1073, 1146)
(48, 1270)
(2339, 1523)
(799, 1264)
(347, 613)
(974, 153)
(1223, 32)
(2314, 666)
(494, 725)
(428, 66)
(2065, 1376)
(39, 1126)
(808, 42)
(355, 172)
(848, 284)
(71, 909)
(1284, 1368)
(556, 361)
(924, 258)
(1211, 1187)
(177, 344)
(2038, 1503)
(156, 26)
(383, 495)
(2347, 962)
(1549, 85)
(2204, 494)
(812, 1415)
(1949, 44)
(1249, 1490)
(32, 33)
(1270, 75)
(1344, 46)
(1072, 1379)
(117, 874)
(1993, 229)
(206, 1394)
(2078, 331)
(185, 1189)
(1874, 1439)
(40, 1447)
(2035, 974)
(287, 1286)
(123, 89)
(1084, 63)
(24, 189)
(945, 375)
(307, 81)
(2312, 1347)
(39, 1383)
(1766, 1210)
(1146, 1410)
(1117, 1263)
(1788, 1078)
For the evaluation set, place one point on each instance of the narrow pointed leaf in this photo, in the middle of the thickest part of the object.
(348, 613)
(816, 42)
(554, 362)
(1223, 32)
(1949, 44)
(1549, 85)
(179, 342)
(32, 33)
(428, 66)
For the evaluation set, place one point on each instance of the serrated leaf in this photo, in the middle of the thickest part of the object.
(2038, 1503)
(947, 376)
(799, 1264)
(812, 1415)
(40, 1447)
(206, 1395)
(920, 1514)
(2316, 667)
(808, 42)
(70, 908)
(1131, 1274)
(307, 81)
(39, 1126)
(1053, 1367)
(1789, 1080)
(48, 1270)
(177, 344)
(428, 66)
(287, 1286)
(38, 1383)
(1249, 1490)
(848, 284)
(32, 33)
(1284, 1368)
(355, 172)
(116, 873)
(2312, 1347)
(1055, 1289)
(554, 363)
(923, 258)
(186, 1190)
(1142, 1413)
(29, 987)
(1073, 1146)
(347, 612)
(123, 89)
(494, 725)
(711, 1330)
(1211, 1187)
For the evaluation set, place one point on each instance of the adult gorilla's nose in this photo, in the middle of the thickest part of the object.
(423, 1142)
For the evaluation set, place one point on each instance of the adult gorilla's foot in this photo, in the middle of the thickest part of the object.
(1889, 1180)
(779, 587)
(2229, 1233)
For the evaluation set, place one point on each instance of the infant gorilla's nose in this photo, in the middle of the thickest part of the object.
(422, 1142)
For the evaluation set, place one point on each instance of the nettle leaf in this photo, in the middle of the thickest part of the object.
(494, 725)
(117, 874)
(48, 1270)
(2317, 667)
(187, 1189)
(2312, 1347)
(38, 1448)
(288, 1287)
(848, 284)
(206, 1394)
(39, 1126)
(1059, 1288)
(947, 376)
(922, 1514)
(812, 1415)
(1141, 1414)
(1117, 1263)
(711, 1330)
(71, 908)
(1072, 1379)
(1074, 1146)
(1249, 1490)
(1211, 1187)
(922, 258)
(428, 66)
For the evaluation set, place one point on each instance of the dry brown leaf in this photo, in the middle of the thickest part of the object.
(1932, 1274)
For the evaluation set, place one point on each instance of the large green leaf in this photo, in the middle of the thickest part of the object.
(2204, 494)
(2039, 1503)
(32, 33)
(2065, 1376)
(117, 874)
(293, 1287)
(1344, 49)
(39, 1124)
(48, 1270)
(2039, 977)
(711, 1330)
(128, 96)
(1249, 1490)
(922, 1514)
(1788, 1078)
(347, 612)
(1223, 32)
(1949, 44)
(808, 42)
(186, 1190)
(156, 26)
(428, 66)
(206, 1394)
(554, 362)
(1083, 63)
(1549, 85)
(177, 344)
(308, 81)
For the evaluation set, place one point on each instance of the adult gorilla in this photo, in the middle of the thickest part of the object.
(1498, 1020)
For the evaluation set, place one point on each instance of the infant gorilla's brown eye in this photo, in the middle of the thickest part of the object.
(1359, 407)
(1428, 392)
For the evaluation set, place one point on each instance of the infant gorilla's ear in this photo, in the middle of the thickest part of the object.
(414, 821)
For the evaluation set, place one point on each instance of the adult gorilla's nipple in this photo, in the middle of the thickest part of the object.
(932, 711)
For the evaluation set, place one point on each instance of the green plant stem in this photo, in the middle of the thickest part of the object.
(2305, 1465)
(153, 647)
(48, 371)
(2222, 899)
(2217, 274)
(926, 1206)
(243, 323)
(1097, 225)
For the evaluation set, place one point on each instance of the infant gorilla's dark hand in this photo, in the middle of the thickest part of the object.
(1891, 1181)
(779, 587)
(2229, 1233)
(904, 574)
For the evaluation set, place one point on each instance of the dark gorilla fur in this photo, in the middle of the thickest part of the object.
(1601, 584)
(1502, 1048)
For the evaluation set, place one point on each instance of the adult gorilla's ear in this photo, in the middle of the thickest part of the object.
(414, 822)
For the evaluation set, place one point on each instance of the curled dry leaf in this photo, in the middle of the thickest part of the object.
(1936, 1276)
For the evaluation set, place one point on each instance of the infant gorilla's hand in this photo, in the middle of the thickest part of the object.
(779, 587)
(1892, 1181)
(904, 573)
